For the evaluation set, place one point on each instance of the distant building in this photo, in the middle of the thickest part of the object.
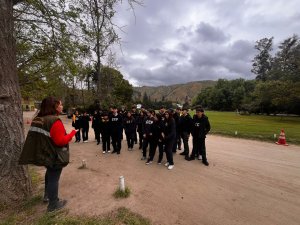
(28, 104)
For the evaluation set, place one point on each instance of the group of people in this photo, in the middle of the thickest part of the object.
(165, 131)
(47, 142)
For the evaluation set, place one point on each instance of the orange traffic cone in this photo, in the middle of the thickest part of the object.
(281, 139)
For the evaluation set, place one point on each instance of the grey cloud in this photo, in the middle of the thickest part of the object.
(218, 44)
(207, 33)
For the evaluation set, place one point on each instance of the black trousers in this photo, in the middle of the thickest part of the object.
(161, 148)
(85, 134)
(130, 139)
(105, 142)
(135, 137)
(177, 142)
(185, 140)
(152, 149)
(77, 136)
(97, 134)
(116, 140)
(199, 148)
(51, 184)
(168, 149)
(140, 139)
(146, 142)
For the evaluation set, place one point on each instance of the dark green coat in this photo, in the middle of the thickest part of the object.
(39, 149)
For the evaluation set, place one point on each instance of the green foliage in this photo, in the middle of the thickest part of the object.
(122, 194)
(225, 95)
(263, 60)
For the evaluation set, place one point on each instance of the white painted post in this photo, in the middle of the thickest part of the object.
(275, 136)
(122, 183)
(83, 163)
(236, 132)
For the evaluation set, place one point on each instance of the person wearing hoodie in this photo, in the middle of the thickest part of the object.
(200, 129)
(105, 132)
(169, 136)
(85, 119)
(185, 124)
(116, 127)
(147, 133)
(130, 130)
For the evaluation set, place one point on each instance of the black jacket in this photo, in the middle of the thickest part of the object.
(201, 127)
(116, 124)
(185, 123)
(129, 125)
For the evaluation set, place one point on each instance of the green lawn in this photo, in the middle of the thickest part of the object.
(257, 127)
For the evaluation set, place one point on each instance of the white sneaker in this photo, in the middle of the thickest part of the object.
(148, 162)
(167, 164)
(104, 152)
(108, 151)
(170, 167)
(85, 142)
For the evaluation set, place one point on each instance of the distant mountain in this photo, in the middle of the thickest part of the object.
(174, 93)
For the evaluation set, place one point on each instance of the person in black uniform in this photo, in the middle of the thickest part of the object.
(130, 130)
(96, 125)
(85, 119)
(155, 137)
(76, 123)
(169, 135)
(200, 129)
(147, 133)
(140, 120)
(134, 113)
(176, 116)
(185, 124)
(161, 142)
(116, 125)
(105, 132)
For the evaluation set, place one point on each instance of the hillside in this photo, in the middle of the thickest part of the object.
(174, 93)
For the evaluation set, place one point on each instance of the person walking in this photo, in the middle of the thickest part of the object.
(96, 125)
(140, 121)
(47, 144)
(148, 133)
(169, 136)
(130, 130)
(76, 123)
(105, 132)
(85, 119)
(200, 129)
(185, 124)
(116, 122)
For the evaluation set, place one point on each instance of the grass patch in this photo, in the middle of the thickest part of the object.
(122, 194)
(33, 211)
(257, 127)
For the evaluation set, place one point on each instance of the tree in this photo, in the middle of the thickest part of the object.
(262, 61)
(15, 183)
(99, 30)
(14, 179)
(286, 65)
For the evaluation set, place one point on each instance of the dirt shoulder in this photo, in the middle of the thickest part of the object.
(247, 182)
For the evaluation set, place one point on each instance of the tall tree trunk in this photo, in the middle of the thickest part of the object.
(15, 183)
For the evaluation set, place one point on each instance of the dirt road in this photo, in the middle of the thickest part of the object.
(247, 182)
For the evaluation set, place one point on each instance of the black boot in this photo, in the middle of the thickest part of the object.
(59, 204)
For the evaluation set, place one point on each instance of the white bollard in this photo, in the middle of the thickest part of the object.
(122, 183)
(236, 132)
(275, 136)
(83, 163)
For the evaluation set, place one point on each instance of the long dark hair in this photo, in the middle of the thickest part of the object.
(48, 106)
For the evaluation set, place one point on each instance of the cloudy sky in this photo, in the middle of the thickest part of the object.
(177, 41)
